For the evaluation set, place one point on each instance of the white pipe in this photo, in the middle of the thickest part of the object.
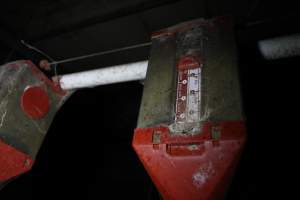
(104, 76)
(280, 47)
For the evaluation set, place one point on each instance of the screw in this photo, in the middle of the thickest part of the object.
(216, 132)
(27, 163)
(156, 137)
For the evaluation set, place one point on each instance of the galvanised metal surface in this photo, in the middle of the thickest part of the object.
(28, 103)
(213, 42)
(159, 91)
(191, 129)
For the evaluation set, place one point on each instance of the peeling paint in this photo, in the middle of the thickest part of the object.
(203, 174)
(193, 147)
(2, 118)
(3, 111)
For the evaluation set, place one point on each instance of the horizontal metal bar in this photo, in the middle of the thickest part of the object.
(114, 74)
(280, 47)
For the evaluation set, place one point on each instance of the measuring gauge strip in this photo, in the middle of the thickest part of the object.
(188, 95)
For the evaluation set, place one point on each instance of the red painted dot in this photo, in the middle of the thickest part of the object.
(35, 102)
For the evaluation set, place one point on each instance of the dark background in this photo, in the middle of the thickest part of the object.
(87, 152)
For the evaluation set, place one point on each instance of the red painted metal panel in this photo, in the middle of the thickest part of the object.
(191, 167)
(12, 162)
